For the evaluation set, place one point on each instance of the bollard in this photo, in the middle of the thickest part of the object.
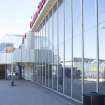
(12, 83)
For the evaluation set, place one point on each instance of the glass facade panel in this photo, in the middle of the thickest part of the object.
(50, 50)
(40, 48)
(68, 58)
(42, 55)
(36, 57)
(39, 64)
(101, 46)
(77, 52)
(47, 50)
(54, 72)
(61, 48)
(90, 46)
(44, 71)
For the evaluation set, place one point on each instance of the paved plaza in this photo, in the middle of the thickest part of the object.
(27, 93)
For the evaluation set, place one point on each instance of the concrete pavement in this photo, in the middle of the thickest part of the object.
(27, 93)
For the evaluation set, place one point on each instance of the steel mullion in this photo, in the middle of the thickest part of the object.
(97, 14)
(82, 9)
(72, 33)
(48, 49)
(57, 44)
(64, 51)
(52, 46)
(45, 49)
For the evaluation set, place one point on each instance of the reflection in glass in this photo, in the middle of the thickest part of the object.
(77, 52)
(90, 72)
(50, 50)
(67, 69)
(101, 46)
(54, 72)
(61, 48)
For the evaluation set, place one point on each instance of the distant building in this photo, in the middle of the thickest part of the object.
(4, 46)
(9, 49)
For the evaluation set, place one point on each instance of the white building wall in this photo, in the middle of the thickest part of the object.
(28, 73)
(27, 56)
(29, 40)
(23, 55)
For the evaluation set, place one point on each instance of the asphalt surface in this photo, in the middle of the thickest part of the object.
(27, 93)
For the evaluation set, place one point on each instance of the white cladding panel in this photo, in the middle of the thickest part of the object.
(27, 56)
(23, 55)
(29, 40)
(28, 74)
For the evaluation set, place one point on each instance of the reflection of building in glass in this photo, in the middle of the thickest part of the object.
(91, 67)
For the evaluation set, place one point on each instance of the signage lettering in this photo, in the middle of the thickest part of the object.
(39, 8)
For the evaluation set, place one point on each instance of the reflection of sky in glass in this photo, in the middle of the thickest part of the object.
(89, 28)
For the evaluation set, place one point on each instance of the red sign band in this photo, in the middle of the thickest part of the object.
(39, 8)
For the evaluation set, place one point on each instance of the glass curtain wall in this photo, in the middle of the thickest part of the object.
(77, 51)
(60, 48)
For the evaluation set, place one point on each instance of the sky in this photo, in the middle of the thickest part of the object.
(15, 16)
